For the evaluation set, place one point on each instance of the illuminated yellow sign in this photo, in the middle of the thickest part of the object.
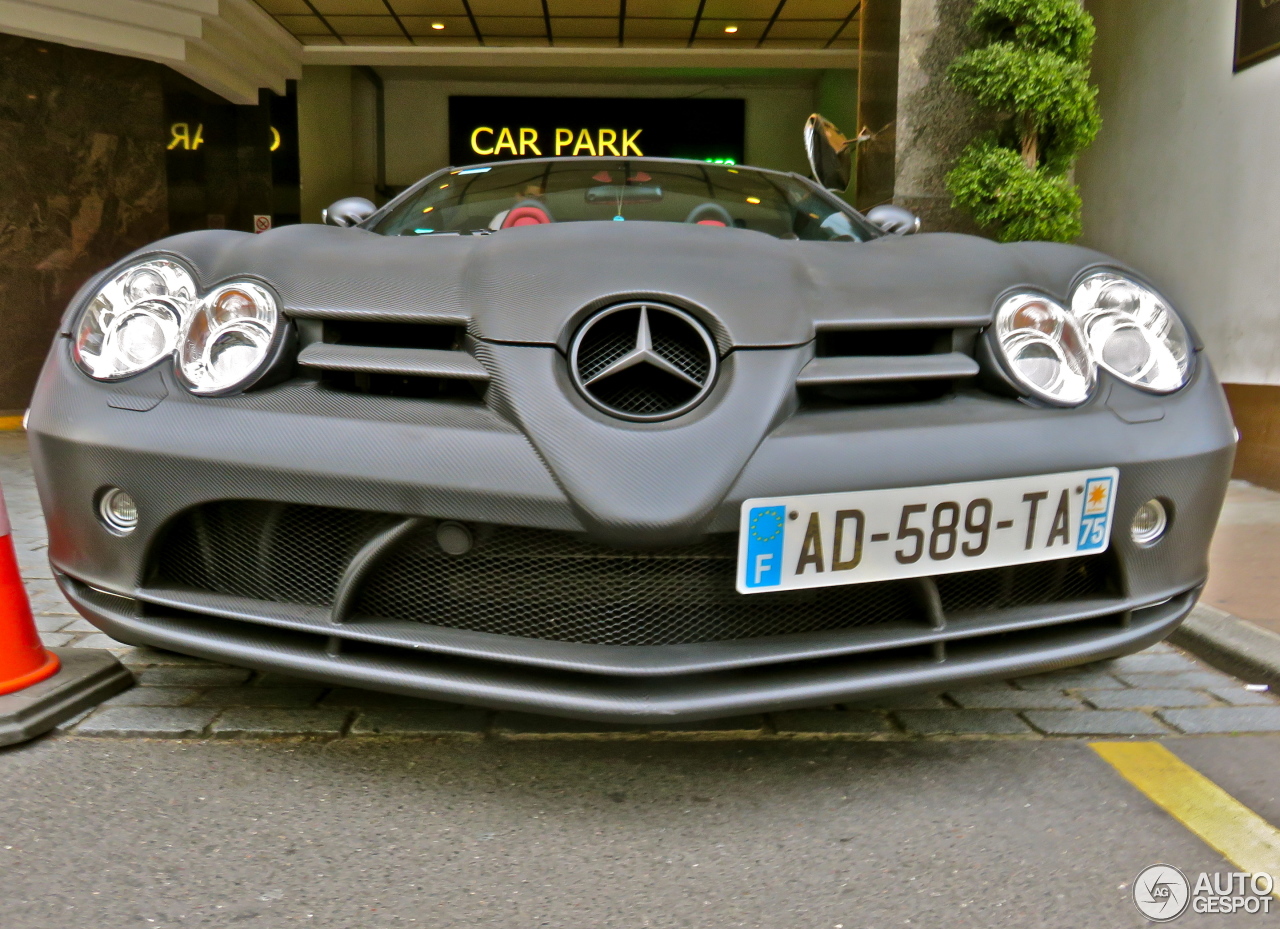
(524, 141)
(182, 136)
(497, 128)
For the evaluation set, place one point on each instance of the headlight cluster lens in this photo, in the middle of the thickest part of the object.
(151, 310)
(1132, 332)
(134, 320)
(228, 338)
(1044, 348)
(1053, 352)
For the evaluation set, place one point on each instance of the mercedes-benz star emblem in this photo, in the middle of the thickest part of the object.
(643, 361)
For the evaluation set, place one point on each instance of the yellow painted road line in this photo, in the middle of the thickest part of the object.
(1224, 823)
(10, 423)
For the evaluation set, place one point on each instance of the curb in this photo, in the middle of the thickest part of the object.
(1231, 644)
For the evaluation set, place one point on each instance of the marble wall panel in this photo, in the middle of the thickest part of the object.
(82, 182)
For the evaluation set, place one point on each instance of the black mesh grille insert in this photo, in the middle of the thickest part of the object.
(267, 551)
(1042, 582)
(542, 584)
(548, 585)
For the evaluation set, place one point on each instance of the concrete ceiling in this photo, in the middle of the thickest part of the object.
(235, 47)
(737, 24)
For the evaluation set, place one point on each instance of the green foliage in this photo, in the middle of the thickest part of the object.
(1058, 26)
(1046, 90)
(1030, 71)
(993, 183)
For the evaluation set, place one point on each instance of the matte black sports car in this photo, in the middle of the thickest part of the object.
(628, 439)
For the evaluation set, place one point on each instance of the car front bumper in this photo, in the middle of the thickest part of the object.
(297, 444)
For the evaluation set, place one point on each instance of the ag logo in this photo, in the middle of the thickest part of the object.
(1161, 893)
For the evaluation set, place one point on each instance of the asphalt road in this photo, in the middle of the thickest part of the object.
(100, 834)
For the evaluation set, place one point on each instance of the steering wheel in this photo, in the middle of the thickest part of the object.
(709, 214)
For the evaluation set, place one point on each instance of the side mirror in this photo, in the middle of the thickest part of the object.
(349, 211)
(894, 219)
(830, 153)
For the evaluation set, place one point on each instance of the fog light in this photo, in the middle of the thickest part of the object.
(1149, 523)
(117, 511)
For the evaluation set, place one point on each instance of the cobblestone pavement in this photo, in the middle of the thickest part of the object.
(1159, 692)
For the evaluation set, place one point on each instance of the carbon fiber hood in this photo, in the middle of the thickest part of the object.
(530, 285)
(522, 292)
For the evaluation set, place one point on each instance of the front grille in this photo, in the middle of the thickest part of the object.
(396, 336)
(840, 396)
(393, 335)
(542, 584)
(862, 343)
(913, 348)
(401, 385)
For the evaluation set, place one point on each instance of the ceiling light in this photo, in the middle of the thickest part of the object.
(730, 29)
(437, 25)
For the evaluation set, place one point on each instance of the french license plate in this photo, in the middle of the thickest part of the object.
(823, 540)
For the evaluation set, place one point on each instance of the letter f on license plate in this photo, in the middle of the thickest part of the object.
(766, 527)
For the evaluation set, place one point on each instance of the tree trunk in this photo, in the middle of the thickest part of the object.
(1030, 143)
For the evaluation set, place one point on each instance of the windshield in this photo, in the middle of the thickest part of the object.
(489, 198)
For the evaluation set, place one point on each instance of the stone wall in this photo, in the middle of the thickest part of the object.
(83, 182)
(935, 122)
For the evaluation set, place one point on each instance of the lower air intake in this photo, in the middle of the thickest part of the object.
(541, 584)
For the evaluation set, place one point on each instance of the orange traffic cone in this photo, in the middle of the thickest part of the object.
(38, 688)
(23, 660)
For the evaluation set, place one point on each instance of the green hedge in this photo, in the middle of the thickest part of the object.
(1030, 71)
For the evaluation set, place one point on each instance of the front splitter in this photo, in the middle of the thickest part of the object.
(422, 674)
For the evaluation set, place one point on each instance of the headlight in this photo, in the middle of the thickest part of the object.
(134, 320)
(1043, 349)
(228, 339)
(1132, 332)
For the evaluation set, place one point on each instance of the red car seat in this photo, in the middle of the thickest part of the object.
(709, 214)
(526, 216)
